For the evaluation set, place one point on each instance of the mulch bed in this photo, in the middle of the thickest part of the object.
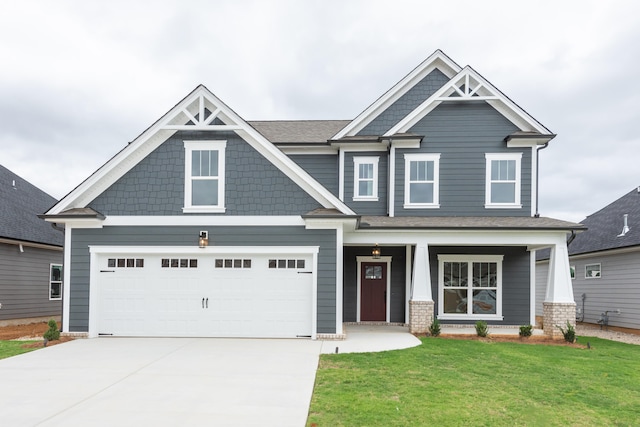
(534, 339)
(34, 331)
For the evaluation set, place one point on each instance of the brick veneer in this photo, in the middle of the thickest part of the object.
(557, 314)
(420, 316)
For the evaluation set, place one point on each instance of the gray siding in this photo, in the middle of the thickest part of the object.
(350, 285)
(323, 167)
(24, 282)
(462, 133)
(369, 207)
(618, 288)
(406, 103)
(515, 281)
(155, 186)
(219, 236)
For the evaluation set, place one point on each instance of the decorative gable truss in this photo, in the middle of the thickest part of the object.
(202, 111)
(466, 86)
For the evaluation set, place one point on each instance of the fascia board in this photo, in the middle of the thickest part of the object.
(436, 60)
(501, 103)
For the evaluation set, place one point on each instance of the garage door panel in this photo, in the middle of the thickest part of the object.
(207, 295)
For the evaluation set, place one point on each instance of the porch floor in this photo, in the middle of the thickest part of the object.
(365, 338)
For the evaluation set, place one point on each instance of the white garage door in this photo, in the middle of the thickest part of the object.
(246, 295)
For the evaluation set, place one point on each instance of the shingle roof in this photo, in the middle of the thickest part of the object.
(470, 223)
(19, 207)
(606, 224)
(299, 131)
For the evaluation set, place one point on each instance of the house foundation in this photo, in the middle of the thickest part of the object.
(420, 316)
(557, 314)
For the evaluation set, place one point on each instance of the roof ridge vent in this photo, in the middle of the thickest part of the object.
(625, 227)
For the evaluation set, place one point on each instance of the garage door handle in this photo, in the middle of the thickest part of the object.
(207, 302)
(305, 272)
(107, 271)
(202, 302)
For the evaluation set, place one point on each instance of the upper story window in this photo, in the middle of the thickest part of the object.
(204, 176)
(421, 181)
(503, 180)
(365, 178)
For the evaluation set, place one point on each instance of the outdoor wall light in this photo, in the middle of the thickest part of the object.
(203, 239)
(375, 252)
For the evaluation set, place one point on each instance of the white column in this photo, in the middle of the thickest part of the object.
(559, 287)
(339, 281)
(66, 280)
(421, 283)
(407, 284)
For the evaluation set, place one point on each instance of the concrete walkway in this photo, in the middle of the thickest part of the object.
(365, 338)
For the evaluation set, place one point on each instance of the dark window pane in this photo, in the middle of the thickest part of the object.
(139, 262)
(300, 263)
(165, 262)
(272, 263)
(174, 262)
(237, 263)
(131, 262)
(228, 263)
(111, 262)
(247, 263)
(121, 262)
(193, 263)
(282, 263)
(184, 263)
(219, 263)
(204, 192)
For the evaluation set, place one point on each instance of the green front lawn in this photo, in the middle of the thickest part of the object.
(13, 348)
(474, 383)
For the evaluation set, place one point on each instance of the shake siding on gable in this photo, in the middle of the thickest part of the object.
(187, 236)
(406, 103)
(322, 167)
(24, 285)
(462, 132)
(253, 186)
(515, 280)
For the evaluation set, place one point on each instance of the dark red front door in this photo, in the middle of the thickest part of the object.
(373, 292)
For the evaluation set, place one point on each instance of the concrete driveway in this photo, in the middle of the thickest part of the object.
(160, 382)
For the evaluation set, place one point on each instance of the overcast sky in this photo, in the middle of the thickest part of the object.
(78, 80)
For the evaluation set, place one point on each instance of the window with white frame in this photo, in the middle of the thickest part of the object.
(470, 287)
(204, 176)
(503, 180)
(365, 178)
(592, 271)
(55, 282)
(421, 181)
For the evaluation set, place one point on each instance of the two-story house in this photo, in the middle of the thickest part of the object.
(422, 206)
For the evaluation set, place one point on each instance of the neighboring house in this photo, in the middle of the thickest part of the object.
(30, 254)
(422, 206)
(605, 264)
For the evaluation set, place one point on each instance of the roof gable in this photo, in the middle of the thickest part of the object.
(469, 85)
(201, 110)
(21, 203)
(437, 60)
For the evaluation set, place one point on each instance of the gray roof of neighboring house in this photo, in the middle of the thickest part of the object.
(299, 131)
(19, 207)
(605, 226)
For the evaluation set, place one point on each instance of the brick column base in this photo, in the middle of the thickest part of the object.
(420, 316)
(557, 314)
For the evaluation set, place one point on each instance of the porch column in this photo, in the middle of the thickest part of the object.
(559, 306)
(421, 304)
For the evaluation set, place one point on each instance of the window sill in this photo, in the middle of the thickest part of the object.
(470, 317)
(203, 209)
(365, 199)
(503, 206)
(422, 206)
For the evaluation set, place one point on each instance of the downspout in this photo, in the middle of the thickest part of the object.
(546, 144)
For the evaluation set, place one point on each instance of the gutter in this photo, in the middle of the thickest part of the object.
(537, 214)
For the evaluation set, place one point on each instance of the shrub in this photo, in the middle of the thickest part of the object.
(434, 328)
(53, 333)
(569, 334)
(481, 328)
(526, 330)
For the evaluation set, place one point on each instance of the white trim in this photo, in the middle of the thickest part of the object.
(436, 60)
(407, 282)
(66, 279)
(534, 181)
(470, 259)
(532, 287)
(189, 220)
(189, 147)
(51, 281)
(341, 174)
(422, 157)
(339, 279)
(489, 158)
(365, 160)
(381, 260)
(487, 92)
(97, 250)
(391, 189)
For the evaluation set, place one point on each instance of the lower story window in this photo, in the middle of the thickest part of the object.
(55, 282)
(470, 287)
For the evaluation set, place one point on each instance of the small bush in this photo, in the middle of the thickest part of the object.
(481, 328)
(569, 334)
(53, 333)
(526, 330)
(434, 328)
